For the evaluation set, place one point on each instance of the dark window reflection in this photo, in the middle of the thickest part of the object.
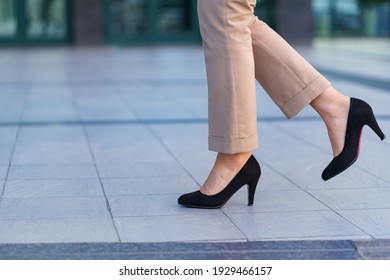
(128, 17)
(46, 18)
(351, 17)
(174, 16)
(7, 18)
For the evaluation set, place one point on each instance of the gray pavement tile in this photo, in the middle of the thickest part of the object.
(40, 113)
(119, 133)
(385, 126)
(200, 177)
(302, 172)
(98, 104)
(10, 77)
(140, 169)
(53, 208)
(382, 236)
(42, 105)
(199, 169)
(351, 179)
(7, 139)
(125, 144)
(375, 222)
(270, 180)
(51, 145)
(340, 199)
(206, 227)
(278, 144)
(3, 171)
(135, 89)
(57, 231)
(2, 183)
(11, 106)
(45, 171)
(273, 201)
(183, 140)
(148, 186)
(306, 173)
(372, 157)
(149, 205)
(192, 98)
(157, 105)
(295, 225)
(53, 188)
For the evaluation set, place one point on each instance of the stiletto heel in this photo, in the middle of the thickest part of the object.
(252, 189)
(360, 114)
(373, 124)
(248, 175)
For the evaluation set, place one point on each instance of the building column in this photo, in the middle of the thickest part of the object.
(88, 22)
(295, 20)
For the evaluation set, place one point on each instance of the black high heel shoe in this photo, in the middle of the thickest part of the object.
(360, 114)
(248, 175)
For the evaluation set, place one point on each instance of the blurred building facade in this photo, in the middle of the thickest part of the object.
(79, 22)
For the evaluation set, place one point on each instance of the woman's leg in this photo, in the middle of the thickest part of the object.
(229, 60)
(293, 83)
(286, 76)
(333, 107)
(227, 43)
(239, 48)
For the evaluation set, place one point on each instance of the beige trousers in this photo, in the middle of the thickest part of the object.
(240, 49)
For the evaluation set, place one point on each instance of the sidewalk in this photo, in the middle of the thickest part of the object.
(97, 144)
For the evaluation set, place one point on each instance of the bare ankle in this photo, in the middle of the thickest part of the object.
(226, 166)
(233, 159)
(330, 104)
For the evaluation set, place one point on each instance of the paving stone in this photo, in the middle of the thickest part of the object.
(52, 145)
(52, 231)
(375, 222)
(52, 188)
(370, 198)
(148, 185)
(53, 208)
(199, 227)
(293, 225)
(42, 172)
(141, 169)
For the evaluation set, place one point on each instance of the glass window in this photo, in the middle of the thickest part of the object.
(265, 10)
(128, 17)
(8, 22)
(337, 17)
(348, 17)
(46, 18)
(151, 21)
(173, 16)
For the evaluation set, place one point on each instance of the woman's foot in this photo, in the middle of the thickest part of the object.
(344, 118)
(359, 115)
(225, 168)
(333, 107)
(248, 175)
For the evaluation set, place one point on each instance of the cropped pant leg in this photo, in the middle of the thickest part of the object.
(240, 49)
